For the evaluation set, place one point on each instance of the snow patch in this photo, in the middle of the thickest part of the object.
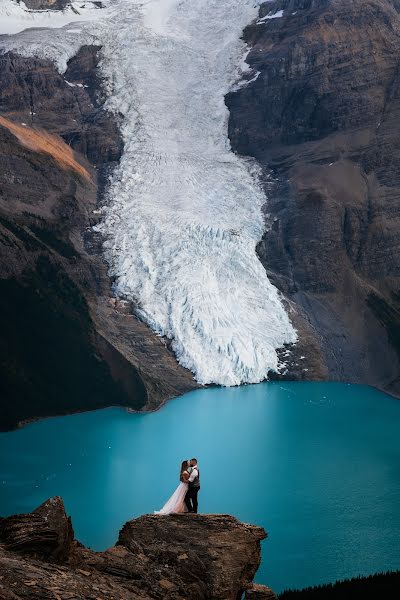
(245, 82)
(276, 15)
(81, 85)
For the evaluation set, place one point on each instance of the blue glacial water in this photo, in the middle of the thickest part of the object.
(318, 465)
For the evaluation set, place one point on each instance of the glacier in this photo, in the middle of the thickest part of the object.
(183, 213)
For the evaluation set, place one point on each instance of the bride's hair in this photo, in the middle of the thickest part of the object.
(184, 467)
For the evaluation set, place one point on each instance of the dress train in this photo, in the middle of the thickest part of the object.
(175, 504)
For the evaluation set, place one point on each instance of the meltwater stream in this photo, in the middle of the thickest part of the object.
(183, 212)
(318, 465)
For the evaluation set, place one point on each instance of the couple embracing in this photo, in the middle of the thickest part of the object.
(184, 499)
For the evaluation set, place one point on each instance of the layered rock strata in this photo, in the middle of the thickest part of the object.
(197, 557)
(321, 117)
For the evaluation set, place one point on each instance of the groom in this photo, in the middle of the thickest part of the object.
(194, 486)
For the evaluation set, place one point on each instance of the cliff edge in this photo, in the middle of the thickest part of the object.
(179, 556)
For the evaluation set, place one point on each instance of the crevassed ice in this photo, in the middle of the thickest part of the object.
(183, 213)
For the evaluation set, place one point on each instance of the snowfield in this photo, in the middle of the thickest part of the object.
(183, 213)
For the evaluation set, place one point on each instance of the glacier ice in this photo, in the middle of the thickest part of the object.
(183, 212)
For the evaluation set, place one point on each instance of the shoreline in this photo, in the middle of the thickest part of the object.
(24, 422)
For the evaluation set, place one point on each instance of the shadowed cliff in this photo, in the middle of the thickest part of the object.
(66, 343)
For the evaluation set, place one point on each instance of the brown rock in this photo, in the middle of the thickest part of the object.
(222, 557)
(259, 592)
(167, 585)
(45, 533)
(222, 554)
(323, 118)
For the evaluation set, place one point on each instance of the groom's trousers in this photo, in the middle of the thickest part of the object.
(191, 499)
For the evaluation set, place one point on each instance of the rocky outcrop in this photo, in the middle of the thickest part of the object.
(259, 592)
(221, 573)
(46, 4)
(46, 533)
(66, 343)
(322, 119)
(156, 557)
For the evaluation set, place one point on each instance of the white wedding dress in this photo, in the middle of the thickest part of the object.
(176, 504)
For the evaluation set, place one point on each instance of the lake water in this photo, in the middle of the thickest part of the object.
(316, 464)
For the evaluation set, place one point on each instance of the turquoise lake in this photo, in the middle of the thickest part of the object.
(316, 464)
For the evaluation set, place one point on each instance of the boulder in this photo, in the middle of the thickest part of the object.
(45, 533)
(215, 554)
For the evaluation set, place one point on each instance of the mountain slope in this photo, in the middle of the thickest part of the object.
(66, 343)
(321, 117)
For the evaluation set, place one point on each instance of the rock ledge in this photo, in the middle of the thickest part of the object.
(178, 556)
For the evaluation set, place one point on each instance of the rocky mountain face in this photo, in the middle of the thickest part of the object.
(322, 118)
(46, 4)
(197, 557)
(66, 343)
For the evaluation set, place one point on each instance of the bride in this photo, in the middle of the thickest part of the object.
(176, 504)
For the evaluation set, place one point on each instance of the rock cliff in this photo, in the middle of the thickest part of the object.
(46, 4)
(197, 557)
(156, 557)
(322, 119)
(66, 344)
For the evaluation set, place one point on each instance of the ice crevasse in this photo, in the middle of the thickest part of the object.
(183, 215)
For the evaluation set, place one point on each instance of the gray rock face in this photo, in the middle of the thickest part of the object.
(322, 119)
(46, 4)
(198, 557)
(66, 343)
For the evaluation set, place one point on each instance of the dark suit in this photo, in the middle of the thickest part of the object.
(191, 495)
